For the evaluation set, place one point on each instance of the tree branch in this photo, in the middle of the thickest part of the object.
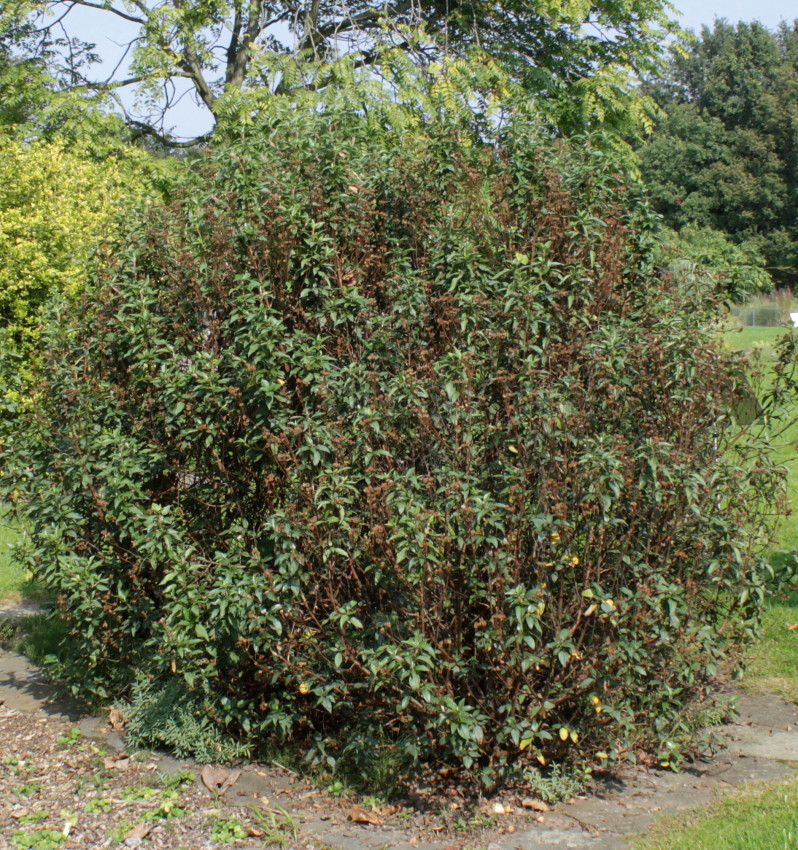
(369, 17)
(118, 12)
(144, 129)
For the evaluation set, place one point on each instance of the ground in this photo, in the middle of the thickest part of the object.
(67, 782)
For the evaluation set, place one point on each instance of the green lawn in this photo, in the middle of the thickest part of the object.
(762, 817)
(11, 581)
(747, 338)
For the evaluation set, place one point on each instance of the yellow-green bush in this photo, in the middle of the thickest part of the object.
(54, 207)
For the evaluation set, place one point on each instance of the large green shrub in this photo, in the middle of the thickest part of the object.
(397, 443)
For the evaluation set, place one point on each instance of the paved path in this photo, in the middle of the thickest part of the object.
(762, 744)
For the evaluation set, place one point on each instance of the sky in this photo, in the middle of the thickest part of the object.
(694, 13)
(188, 120)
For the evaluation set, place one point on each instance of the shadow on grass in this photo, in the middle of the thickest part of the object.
(39, 637)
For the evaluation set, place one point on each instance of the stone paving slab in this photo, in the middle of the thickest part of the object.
(762, 745)
(24, 688)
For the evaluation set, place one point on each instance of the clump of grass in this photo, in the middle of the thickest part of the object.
(14, 583)
(773, 660)
(764, 817)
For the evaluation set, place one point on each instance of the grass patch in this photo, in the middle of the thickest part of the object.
(773, 661)
(11, 580)
(14, 584)
(762, 817)
(744, 339)
(38, 637)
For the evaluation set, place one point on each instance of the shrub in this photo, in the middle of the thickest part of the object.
(55, 206)
(396, 444)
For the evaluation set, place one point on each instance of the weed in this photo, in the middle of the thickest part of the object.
(178, 779)
(69, 739)
(227, 830)
(32, 817)
(478, 820)
(278, 826)
(337, 789)
(96, 781)
(40, 839)
(99, 805)
(167, 810)
(555, 783)
(117, 834)
(139, 792)
(29, 789)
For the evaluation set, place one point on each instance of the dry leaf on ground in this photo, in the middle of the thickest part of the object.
(217, 779)
(357, 814)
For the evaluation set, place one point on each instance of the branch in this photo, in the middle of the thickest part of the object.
(190, 64)
(144, 129)
(118, 12)
(310, 29)
(369, 17)
(238, 55)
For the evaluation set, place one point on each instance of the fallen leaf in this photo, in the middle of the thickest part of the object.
(217, 780)
(121, 761)
(535, 804)
(791, 627)
(19, 813)
(357, 814)
(140, 830)
(387, 810)
(254, 832)
(116, 719)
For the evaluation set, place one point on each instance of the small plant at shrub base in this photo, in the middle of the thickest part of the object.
(395, 445)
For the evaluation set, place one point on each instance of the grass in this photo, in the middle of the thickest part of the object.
(773, 662)
(751, 338)
(14, 584)
(761, 817)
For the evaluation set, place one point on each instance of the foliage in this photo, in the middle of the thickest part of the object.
(579, 51)
(388, 441)
(737, 272)
(168, 716)
(55, 206)
(37, 101)
(725, 156)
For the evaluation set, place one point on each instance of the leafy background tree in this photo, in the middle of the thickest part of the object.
(576, 54)
(725, 154)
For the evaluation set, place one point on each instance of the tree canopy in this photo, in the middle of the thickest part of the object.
(583, 47)
(725, 156)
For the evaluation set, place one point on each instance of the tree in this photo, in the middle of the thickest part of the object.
(725, 155)
(223, 46)
(38, 103)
